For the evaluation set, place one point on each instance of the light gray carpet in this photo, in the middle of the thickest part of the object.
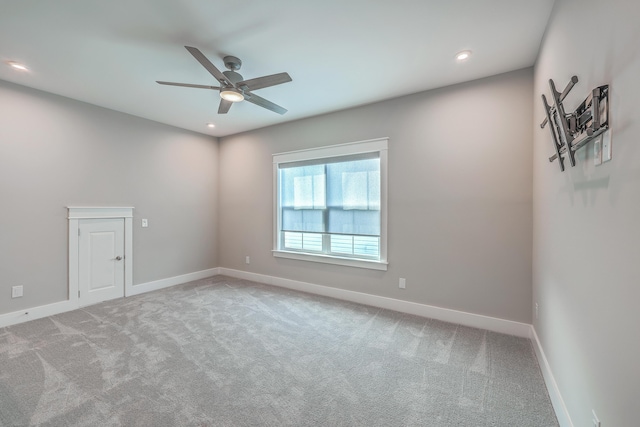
(227, 352)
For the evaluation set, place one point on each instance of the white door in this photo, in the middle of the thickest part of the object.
(101, 260)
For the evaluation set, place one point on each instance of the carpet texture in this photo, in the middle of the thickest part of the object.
(228, 352)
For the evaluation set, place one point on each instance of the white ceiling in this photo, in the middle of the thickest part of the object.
(339, 53)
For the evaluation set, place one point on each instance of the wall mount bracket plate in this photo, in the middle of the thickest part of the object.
(571, 131)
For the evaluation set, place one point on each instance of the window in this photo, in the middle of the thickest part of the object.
(330, 204)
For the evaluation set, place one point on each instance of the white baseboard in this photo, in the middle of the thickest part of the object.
(34, 313)
(447, 315)
(39, 312)
(463, 318)
(444, 314)
(171, 281)
(552, 387)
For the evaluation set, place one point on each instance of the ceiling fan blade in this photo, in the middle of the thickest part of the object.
(188, 85)
(224, 106)
(266, 81)
(255, 99)
(209, 66)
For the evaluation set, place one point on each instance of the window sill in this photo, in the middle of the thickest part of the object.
(328, 259)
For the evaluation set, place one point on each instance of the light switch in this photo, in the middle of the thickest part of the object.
(145, 222)
(16, 291)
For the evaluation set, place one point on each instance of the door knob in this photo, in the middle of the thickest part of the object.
(118, 258)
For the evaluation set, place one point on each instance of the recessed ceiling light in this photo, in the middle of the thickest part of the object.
(210, 125)
(463, 56)
(18, 66)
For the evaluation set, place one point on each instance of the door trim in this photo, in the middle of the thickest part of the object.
(76, 213)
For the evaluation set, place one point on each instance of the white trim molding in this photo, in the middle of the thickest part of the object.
(378, 145)
(562, 413)
(370, 145)
(34, 313)
(76, 213)
(39, 312)
(172, 281)
(86, 212)
(494, 324)
(325, 259)
(446, 315)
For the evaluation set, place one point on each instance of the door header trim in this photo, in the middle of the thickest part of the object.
(84, 212)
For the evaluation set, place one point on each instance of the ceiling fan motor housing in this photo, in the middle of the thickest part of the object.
(233, 77)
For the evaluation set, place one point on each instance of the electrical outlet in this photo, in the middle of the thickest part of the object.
(597, 151)
(145, 222)
(247, 260)
(16, 291)
(536, 310)
(595, 420)
(606, 146)
(403, 283)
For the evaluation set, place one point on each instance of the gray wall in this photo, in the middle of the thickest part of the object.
(586, 220)
(459, 196)
(56, 152)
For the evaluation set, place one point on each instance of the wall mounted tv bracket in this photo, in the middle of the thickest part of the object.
(570, 131)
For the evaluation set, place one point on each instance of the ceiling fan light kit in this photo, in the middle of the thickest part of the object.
(233, 88)
(231, 94)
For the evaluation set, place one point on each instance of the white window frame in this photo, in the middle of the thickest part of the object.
(380, 146)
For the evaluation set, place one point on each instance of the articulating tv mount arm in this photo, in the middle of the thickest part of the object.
(571, 131)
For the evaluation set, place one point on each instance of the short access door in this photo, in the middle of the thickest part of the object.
(101, 260)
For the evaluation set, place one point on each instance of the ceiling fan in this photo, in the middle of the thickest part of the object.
(233, 88)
